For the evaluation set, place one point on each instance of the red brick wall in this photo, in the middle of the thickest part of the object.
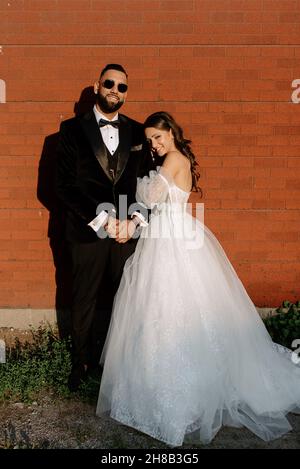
(224, 68)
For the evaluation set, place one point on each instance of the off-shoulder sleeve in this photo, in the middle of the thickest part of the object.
(153, 189)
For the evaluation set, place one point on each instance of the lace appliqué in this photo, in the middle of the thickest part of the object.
(153, 189)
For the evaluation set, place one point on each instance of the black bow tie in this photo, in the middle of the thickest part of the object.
(103, 122)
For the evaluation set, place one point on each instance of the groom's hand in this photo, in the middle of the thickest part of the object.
(126, 230)
(112, 227)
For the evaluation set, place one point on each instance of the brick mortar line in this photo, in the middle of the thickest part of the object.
(149, 45)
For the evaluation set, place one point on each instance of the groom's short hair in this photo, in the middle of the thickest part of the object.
(113, 67)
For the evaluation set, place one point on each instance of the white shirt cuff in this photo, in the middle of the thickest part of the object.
(141, 217)
(99, 221)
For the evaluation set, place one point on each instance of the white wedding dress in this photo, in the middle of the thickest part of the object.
(186, 350)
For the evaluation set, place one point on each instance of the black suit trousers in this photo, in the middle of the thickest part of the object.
(90, 263)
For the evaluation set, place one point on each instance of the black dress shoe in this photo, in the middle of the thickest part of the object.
(76, 378)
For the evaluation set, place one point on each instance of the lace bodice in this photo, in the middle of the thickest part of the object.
(159, 187)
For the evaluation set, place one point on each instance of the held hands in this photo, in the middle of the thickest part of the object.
(122, 231)
(126, 231)
(112, 226)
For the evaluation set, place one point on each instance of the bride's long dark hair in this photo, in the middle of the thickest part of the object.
(164, 121)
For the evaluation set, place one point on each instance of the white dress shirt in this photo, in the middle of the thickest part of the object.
(109, 133)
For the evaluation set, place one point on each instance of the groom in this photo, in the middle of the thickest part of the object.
(100, 156)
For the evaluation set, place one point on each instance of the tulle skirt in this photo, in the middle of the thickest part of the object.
(186, 350)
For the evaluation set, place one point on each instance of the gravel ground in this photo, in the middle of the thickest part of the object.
(73, 424)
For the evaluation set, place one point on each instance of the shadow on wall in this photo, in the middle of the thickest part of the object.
(56, 234)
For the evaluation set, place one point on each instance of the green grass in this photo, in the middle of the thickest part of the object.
(41, 365)
(284, 325)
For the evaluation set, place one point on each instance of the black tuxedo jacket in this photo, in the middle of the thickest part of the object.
(83, 179)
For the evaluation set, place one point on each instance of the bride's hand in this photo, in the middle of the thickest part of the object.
(126, 230)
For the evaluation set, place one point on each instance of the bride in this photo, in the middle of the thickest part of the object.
(186, 351)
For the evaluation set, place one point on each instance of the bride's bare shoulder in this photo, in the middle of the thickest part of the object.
(175, 161)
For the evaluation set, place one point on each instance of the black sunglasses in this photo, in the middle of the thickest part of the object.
(109, 84)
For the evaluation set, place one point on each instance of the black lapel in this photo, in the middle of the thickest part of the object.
(125, 132)
(93, 134)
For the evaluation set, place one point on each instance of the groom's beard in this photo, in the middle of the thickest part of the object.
(108, 106)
